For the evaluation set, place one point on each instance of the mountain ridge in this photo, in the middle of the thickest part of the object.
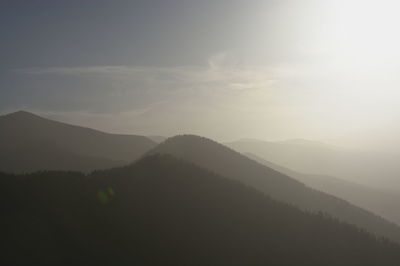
(39, 140)
(361, 167)
(231, 164)
(382, 202)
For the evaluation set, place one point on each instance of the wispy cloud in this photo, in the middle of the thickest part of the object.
(125, 88)
(189, 98)
(219, 73)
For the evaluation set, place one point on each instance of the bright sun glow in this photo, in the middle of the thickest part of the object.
(364, 34)
(359, 46)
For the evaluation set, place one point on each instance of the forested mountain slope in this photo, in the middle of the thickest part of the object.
(164, 211)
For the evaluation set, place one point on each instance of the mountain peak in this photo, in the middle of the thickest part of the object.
(187, 142)
(21, 114)
(185, 137)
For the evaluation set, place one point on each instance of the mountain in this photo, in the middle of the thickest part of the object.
(164, 211)
(374, 169)
(157, 139)
(226, 162)
(30, 143)
(381, 202)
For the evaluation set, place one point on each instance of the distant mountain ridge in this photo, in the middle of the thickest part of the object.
(156, 138)
(382, 202)
(30, 143)
(369, 168)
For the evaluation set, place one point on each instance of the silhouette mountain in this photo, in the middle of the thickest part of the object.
(165, 211)
(226, 162)
(30, 143)
(382, 202)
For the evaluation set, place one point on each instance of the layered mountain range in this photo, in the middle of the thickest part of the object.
(89, 197)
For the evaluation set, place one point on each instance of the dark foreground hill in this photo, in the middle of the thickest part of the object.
(163, 211)
(31, 143)
(226, 162)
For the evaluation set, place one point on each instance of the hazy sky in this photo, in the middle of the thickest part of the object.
(224, 69)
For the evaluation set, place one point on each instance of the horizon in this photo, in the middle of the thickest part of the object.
(151, 135)
(289, 140)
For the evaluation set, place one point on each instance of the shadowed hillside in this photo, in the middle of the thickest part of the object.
(226, 162)
(163, 211)
(30, 143)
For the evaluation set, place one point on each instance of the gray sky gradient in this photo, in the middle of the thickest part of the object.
(224, 69)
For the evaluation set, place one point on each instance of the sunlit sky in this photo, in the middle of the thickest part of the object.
(223, 69)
